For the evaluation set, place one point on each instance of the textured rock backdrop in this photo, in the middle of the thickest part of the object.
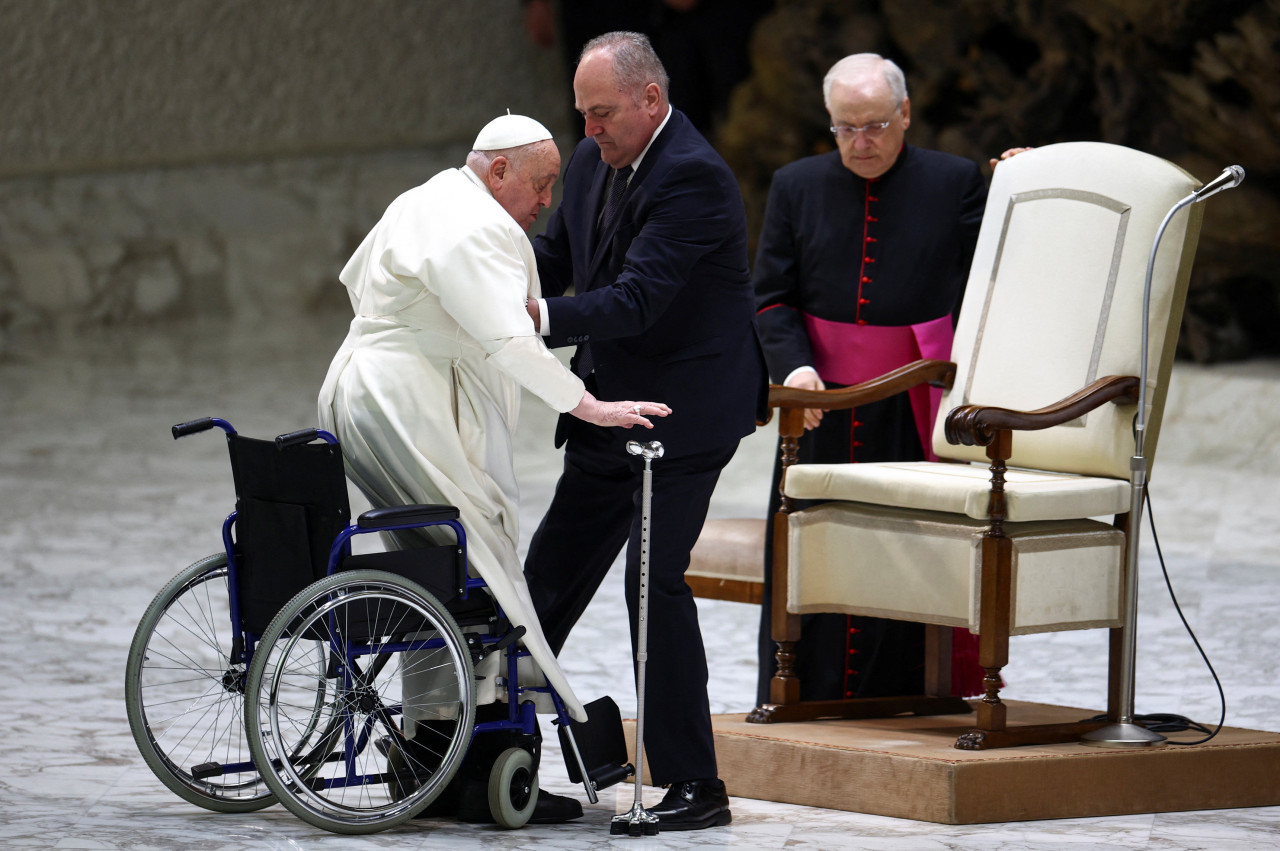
(171, 158)
(174, 158)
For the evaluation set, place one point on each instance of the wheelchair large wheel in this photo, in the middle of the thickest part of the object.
(185, 697)
(393, 649)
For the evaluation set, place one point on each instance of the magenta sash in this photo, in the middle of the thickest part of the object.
(847, 353)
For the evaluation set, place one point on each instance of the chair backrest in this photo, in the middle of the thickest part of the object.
(1054, 298)
(290, 505)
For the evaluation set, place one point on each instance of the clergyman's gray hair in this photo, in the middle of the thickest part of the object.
(852, 67)
(635, 64)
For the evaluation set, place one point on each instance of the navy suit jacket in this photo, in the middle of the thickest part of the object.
(662, 301)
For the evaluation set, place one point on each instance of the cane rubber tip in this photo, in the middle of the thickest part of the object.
(637, 822)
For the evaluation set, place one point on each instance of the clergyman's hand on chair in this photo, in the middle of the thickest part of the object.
(1011, 152)
(806, 380)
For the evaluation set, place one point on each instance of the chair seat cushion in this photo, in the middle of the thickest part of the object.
(960, 489)
(729, 549)
(927, 567)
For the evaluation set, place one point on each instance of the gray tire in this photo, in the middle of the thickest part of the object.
(340, 782)
(185, 697)
(513, 788)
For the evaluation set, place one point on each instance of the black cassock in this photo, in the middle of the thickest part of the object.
(856, 277)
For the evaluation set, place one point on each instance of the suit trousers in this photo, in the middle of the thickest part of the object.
(596, 508)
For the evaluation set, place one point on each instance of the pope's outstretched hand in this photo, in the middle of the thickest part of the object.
(625, 414)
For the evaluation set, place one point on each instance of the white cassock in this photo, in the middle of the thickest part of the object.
(425, 391)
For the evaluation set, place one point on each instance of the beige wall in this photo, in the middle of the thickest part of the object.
(165, 159)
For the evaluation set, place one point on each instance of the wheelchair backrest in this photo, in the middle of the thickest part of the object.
(291, 503)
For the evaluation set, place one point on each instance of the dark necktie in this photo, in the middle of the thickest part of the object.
(614, 199)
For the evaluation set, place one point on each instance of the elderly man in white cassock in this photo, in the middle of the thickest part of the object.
(424, 393)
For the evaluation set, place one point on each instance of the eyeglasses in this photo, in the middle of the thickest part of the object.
(872, 131)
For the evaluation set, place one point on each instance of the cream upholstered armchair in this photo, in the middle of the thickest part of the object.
(1002, 535)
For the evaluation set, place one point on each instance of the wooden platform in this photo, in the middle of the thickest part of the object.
(906, 767)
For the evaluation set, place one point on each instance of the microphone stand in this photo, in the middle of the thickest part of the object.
(1124, 732)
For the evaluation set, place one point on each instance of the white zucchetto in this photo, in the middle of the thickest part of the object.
(509, 131)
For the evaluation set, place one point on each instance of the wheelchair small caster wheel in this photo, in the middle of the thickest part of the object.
(513, 788)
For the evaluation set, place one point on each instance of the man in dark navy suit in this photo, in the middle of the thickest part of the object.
(651, 236)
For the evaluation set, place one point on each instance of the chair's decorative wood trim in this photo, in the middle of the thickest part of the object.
(859, 707)
(730, 590)
(997, 591)
(784, 687)
(939, 373)
(977, 425)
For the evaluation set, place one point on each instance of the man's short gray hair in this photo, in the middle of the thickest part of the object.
(859, 64)
(635, 64)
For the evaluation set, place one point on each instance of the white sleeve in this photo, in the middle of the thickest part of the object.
(544, 321)
(797, 371)
(531, 363)
(483, 278)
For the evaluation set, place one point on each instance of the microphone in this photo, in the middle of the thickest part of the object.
(1230, 178)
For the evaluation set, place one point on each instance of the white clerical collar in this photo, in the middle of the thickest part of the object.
(475, 178)
(635, 164)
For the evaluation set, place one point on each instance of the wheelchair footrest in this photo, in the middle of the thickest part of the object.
(205, 770)
(602, 744)
(610, 775)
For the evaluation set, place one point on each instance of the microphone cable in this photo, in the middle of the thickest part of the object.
(1161, 722)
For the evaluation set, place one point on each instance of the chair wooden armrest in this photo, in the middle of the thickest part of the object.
(939, 373)
(977, 425)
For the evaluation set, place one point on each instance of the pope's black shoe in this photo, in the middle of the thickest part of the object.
(555, 809)
(693, 805)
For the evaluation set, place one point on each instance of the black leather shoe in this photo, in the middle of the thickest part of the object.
(693, 805)
(555, 809)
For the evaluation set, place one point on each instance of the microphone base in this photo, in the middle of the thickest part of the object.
(1123, 735)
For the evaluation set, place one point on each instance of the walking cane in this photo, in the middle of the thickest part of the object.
(639, 821)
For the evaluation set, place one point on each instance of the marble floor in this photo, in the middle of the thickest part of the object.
(101, 507)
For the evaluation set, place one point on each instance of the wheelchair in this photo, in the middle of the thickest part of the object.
(286, 668)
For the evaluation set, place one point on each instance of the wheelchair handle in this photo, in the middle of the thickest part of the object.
(306, 435)
(202, 424)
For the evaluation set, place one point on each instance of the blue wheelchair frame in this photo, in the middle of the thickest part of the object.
(522, 717)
